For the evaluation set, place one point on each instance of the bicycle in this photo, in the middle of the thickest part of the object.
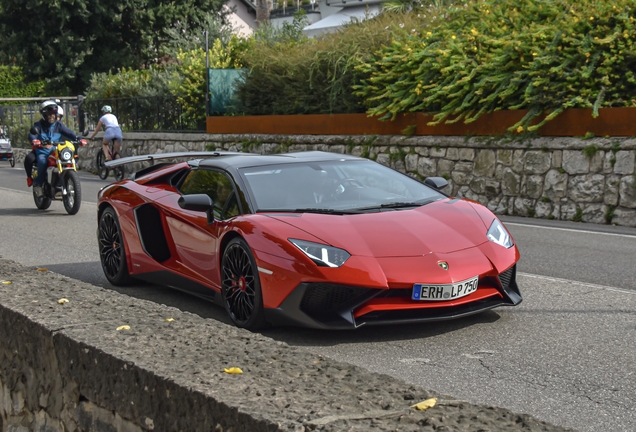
(102, 169)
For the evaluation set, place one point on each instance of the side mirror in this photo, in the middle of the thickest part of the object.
(198, 202)
(436, 182)
(34, 130)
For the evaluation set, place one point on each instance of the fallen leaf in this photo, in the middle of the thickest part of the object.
(233, 371)
(62, 301)
(124, 327)
(43, 269)
(424, 405)
(169, 319)
(6, 282)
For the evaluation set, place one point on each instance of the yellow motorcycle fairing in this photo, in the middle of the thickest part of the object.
(60, 147)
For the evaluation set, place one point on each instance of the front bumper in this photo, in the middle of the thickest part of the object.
(332, 306)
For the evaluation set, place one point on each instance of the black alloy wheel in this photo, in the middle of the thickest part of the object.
(241, 286)
(112, 253)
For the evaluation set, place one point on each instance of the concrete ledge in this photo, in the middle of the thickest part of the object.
(67, 367)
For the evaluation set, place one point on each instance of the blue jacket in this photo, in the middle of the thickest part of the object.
(52, 132)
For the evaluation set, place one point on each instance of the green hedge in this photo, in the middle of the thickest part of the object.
(12, 84)
(487, 55)
(296, 75)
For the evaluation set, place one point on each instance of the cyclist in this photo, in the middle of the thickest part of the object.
(112, 131)
(48, 129)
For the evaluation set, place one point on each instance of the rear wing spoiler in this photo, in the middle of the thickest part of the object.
(159, 156)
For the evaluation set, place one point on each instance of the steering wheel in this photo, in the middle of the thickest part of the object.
(347, 183)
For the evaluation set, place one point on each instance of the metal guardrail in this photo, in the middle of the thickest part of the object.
(141, 114)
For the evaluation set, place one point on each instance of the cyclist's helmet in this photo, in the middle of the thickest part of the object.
(60, 112)
(46, 109)
(107, 109)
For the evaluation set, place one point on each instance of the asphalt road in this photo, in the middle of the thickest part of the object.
(563, 355)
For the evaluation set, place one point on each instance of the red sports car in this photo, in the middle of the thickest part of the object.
(316, 239)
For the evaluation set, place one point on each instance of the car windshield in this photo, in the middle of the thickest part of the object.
(345, 185)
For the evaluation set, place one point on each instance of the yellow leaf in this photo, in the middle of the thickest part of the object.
(62, 301)
(169, 319)
(124, 327)
(233, 371)
(43, 269)
(6, 282)
(424, 405)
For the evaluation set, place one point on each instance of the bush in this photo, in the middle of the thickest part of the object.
(290, 74)
(154, 81)
(487, 55)
(12, 84)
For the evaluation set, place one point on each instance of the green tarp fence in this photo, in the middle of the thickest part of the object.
(222, 83)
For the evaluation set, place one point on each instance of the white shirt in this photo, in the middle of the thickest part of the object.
(109, 120)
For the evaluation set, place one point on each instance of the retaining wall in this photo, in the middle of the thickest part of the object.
(588, 180)
(72, 367)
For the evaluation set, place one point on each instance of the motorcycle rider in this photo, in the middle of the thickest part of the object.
(49, 129)
(29, 159)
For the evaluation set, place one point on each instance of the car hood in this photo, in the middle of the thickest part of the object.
(442, 227)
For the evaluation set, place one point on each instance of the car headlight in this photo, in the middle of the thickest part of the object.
(498, 234)
(322, 255)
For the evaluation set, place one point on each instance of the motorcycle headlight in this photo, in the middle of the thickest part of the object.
(498, 234)
(66, 155)
(322, 255)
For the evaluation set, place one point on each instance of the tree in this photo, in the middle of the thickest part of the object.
(65, 41)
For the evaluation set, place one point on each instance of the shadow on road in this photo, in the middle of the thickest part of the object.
(311, 337)
(91, 272)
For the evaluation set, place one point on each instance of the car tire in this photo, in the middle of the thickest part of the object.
(73, 198)
(241, 286)
(112, 251)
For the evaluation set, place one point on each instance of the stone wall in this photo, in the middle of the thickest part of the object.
(101, 361)
(588, 180)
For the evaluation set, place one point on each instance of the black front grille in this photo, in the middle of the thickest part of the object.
(506, 277)
(326, 298)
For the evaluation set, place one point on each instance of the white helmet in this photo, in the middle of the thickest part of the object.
(48, 107)
(60, 111)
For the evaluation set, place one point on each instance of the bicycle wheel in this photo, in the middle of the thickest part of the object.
(102, 170)
(118, 171)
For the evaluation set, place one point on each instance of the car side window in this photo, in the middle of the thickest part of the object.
(217, 186)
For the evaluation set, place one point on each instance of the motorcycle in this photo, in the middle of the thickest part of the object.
(62, 181)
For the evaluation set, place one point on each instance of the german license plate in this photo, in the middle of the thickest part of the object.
(457, 290)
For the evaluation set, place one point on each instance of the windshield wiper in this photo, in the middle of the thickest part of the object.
(311, 210)
(399, 204)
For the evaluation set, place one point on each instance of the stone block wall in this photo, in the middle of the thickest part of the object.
(104, 362)
(587, 180)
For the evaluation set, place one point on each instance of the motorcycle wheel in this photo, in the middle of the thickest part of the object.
(118, 171)
(73, 198)
(102, 170)
(43, 202)
(112, 252)
(12, 162)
